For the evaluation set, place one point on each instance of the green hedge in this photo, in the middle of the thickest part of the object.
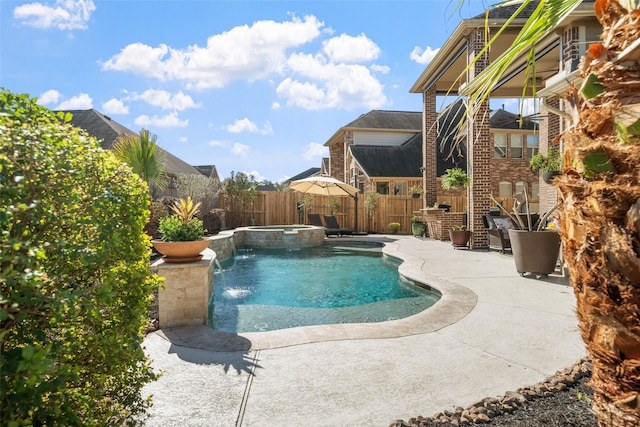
(75, 283)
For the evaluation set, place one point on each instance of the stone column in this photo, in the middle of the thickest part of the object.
(184, 298)
(429, 147)
(479, 149)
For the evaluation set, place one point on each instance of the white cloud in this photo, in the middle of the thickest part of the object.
(79, 102)
(216, 143)
(423, 56)
(114, 106)
(383, 69)
(344, 86)
(183, 139)
(49, 97)
(315, 150)
(63, 15)
(276, 106)
(246, 125)
(244, 52)
(166, 100)
(171, 120)
(346, 48)
(240, 150)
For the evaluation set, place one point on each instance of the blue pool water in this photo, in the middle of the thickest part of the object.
(268, 289)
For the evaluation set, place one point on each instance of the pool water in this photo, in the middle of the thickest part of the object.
(268, 289)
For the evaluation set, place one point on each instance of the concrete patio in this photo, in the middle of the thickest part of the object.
(492, 331)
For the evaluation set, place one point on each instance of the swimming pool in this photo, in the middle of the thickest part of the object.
(269, 289)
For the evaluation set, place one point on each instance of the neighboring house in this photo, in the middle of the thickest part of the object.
(394, 168)
(306, 174)
(556, 60)
(375, 128)
(107, 131)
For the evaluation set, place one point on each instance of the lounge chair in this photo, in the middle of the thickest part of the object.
(314, 219)
(334, 226)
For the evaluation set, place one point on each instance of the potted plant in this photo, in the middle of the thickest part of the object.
(182, 234)
(455, 178)
(416, 191)
(417, 226)
(535, 248)
(549, 165)
(394, 227)
(459, 236)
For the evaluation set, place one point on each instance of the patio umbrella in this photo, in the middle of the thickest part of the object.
(326, 186)
(323, 185)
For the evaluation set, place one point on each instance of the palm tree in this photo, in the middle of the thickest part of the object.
(600, 194)
(142, 153)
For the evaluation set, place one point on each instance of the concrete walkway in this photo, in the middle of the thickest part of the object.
(491, 332)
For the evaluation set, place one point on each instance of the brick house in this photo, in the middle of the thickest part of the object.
(557, 57)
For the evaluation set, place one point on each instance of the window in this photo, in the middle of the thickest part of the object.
(505, 189)
(499, 146)
(516, 146)
(520, 186)
(382, 187)
(400, 188)
(535, 190)
(532, 146)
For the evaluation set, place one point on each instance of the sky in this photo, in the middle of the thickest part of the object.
(248, 86)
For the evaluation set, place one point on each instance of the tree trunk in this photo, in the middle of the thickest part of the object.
(600, 217)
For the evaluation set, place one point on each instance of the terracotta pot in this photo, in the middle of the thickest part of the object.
(181, 252)
(535, 252)
(460, 238)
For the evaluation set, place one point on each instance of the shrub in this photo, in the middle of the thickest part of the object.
(75, 285)
(455, 178)
(394, 227)
(239, 194)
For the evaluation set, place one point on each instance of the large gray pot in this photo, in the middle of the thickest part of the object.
(535, 252)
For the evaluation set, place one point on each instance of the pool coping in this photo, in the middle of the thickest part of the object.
(456, 302)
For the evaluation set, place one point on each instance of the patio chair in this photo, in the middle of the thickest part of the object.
(498, 231)
(332, 224)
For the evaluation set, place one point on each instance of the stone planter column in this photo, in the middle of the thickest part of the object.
(184, 298)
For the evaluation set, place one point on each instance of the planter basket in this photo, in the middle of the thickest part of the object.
(535, 252)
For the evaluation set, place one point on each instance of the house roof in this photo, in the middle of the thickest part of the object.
(107, 131)
(210, 171)
(502, 119)
(309, 172)
(402, 121)
(406, 160)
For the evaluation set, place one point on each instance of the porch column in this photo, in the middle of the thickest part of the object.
(429, 147)
(479, 150)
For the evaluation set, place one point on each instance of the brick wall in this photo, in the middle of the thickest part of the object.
(336, 161)
(549, 130)
(480, 149)
(429, 147)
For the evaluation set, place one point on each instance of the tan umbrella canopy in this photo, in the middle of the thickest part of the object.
(326, 186)
(323, 185)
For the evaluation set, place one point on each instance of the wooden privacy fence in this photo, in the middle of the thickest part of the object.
(280, 208)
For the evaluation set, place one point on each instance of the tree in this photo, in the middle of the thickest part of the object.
(145, 157)
(600, 194)
(75, 283)
(239, 194)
